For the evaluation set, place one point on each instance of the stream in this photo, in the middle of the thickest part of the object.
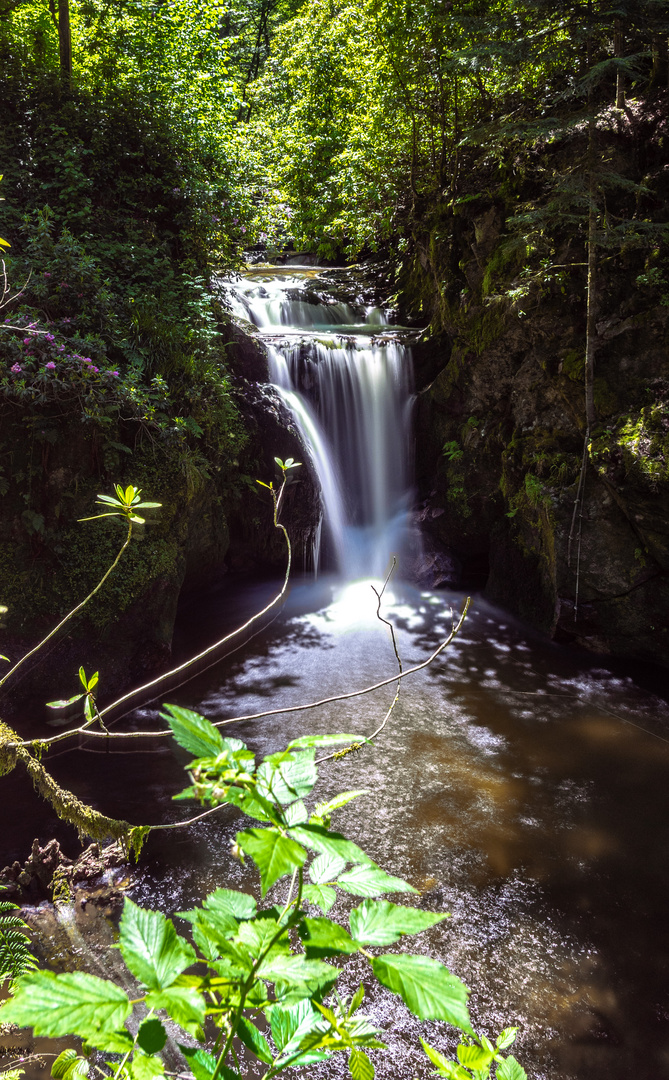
(520, 785)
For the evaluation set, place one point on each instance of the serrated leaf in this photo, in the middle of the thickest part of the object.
(69, 1066)
(322, 896)
(145, 1068)
(474, 1057)
(296, 813)
(193, 732)
(182, 1003)
(274, 855)
(55, 1005)
(238, 904)
(506, 1038)
(326, 842)
(510, 1070)
(359, 1066)
(326, 868)
(151, 1036)
(202, 1064)
(322, 937)
(255, 1040)
(450, 1069)
(426, 987)
(151, 947)
(286, 1021)
(292, 968)
(371, 881)
(378, 922)
(282, 778)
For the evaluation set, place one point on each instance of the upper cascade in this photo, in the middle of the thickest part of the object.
(346, 378)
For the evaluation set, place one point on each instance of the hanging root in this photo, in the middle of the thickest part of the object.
(86, 820)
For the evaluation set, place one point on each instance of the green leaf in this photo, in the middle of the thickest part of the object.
(239, 904)
(323, 740)
(182, 1003)
(296, 813)
(292, 968)
(322, 810)
(326, 868)
(371, 880)
(282, 778)
(193, 731)
(69, 1066)
(322, 937)
(356, 1001)
(63, 702)
(511, 1070)
(55, 1005)
(274, 855)
(151, 1036)
(286, 1020)
(506, 1038)
(321, 896)
(426, 987)
(450, 1069)
(255, 1040)
(202, 1064)
(378, 922)
(146, 1068)
(325, 842)
(151, 947)
(474, 1057)
(360, 1067)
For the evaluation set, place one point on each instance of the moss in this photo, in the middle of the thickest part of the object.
(573, 365)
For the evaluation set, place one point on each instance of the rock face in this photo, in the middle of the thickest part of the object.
(500, 439)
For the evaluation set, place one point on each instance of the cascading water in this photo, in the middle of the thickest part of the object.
(346, 378)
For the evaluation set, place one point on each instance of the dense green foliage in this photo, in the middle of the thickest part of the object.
(269, 963)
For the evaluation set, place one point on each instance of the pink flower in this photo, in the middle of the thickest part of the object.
(115, 373)
(51, 366)
(47, 275)
(16, 369)
(96, 369)
(26, 341)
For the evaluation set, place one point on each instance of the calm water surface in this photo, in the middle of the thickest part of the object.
(521, 786)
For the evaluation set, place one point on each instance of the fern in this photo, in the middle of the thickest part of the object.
(15, 955)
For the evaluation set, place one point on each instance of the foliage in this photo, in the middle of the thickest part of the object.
(16, 958)
(269, 963)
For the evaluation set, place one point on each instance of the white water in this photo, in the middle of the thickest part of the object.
(347, 384)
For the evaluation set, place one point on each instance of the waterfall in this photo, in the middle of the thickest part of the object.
(346, 379)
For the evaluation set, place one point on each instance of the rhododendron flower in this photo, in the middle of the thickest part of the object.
(26, 341)
(16, 369)
(51, 366)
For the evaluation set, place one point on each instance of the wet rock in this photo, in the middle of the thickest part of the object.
(48, 874)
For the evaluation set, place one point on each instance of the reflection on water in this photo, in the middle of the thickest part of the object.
(520, 786)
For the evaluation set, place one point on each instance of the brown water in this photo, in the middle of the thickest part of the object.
(521, 786)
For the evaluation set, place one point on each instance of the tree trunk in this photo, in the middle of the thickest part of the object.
(65, 41)
(590, 331)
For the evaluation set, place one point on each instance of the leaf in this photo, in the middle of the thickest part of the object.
(146, 1068)
(255, 1040)
(378, 922)
(325, 809)
(55, 1005)
(285, 1021)
(323, 740)
(371, 880)
(474, 1057)
(322, 937)
(426, 987)
(274, 855)
(182, 1003)
(360, 1067)
(151, 947)
(325, 842)
(238, 904)
(450, 1069)
(193, 731)
(321, 896)
(506, 1038)
(69, 1066)
(511, 1070)
(284, 778)
(61, 704)
(294, 968)
(296, 813)
(202, 1064)
(356, 1001)
(326, 868)
(151, 1036)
